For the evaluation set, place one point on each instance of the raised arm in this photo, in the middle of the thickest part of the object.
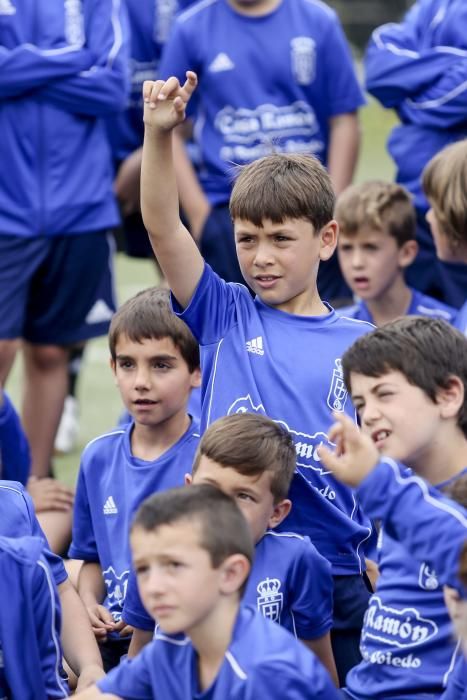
(180, 260)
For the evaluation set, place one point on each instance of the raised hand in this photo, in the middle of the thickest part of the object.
(165, 101)
(355, 454)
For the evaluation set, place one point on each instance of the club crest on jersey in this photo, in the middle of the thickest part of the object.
(401, 628)
(270, 600)
(303, 57)
(116, 591)
(337, 392)
(427, 578)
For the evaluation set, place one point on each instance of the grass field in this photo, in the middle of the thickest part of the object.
(98, 397)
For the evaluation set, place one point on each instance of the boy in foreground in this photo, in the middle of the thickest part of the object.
(192, 551)
(155, 360)
(408, 382)
(278, 354)
(252, 459)
(377, 243)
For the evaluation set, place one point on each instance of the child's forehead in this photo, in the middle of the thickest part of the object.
(230, 475)
(183, 534)
(287, 223)
(362, 383)
(155, 346)
(363, 233)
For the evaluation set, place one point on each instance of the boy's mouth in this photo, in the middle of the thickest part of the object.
(379, 436)
(145, 402)
(361, 282)
(266, 280)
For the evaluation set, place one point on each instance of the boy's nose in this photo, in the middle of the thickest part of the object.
(263, 256)
(142, 379)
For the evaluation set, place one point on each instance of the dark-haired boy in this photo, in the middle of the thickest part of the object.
(408, 381)
(377, 243)
(252, 459)
(192, 551)
(155, 360)
(278, 354)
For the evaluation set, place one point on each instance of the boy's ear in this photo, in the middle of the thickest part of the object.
(196, 378)
(407, 253)
(280, 512)
(188, 479)
(328, 239)
(234, 571)
(451, 397)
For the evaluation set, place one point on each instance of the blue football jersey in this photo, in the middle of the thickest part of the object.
(4, 689)
(150, 24)
(256, 358)
(262, 661)
(30, 622)
(457, 685)
(289, 583)
(419, 69)
(420, 305)
(18, 519)
(111, 485)
(407, 641)
(268, 83)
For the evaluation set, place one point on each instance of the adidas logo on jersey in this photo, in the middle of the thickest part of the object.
(7, 8)
(255, 346)
(221, 63)
(99, 313)
(109, 507)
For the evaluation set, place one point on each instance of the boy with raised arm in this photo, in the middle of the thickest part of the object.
(155, 360)
(252, 459)
(278, 354)
(192, 551)
(408, 382)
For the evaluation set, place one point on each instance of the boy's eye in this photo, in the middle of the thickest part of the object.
(141, 569)
(161, 365)
(174, 565)
(125, 364)
(245, 239)
(371, 247)
(281, 239)
(244, 496)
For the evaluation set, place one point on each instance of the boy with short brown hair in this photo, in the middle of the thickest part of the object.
(376, 246)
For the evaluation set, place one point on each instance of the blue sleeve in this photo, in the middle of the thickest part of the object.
(283, 680)
(15, 461)
(47, 620)
(212, 309)
(457, 682)
(54, 562)
(131, 679)
(432, 528)
(312, 587)
(134, 613)
(27, 67)
(443, 103)
(83, 544)
(344, 93)
(101, 88)
(395, 68)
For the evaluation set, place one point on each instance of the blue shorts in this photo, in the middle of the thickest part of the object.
(57, 290)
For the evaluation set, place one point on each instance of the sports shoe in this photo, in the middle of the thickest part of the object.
(68, 430)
